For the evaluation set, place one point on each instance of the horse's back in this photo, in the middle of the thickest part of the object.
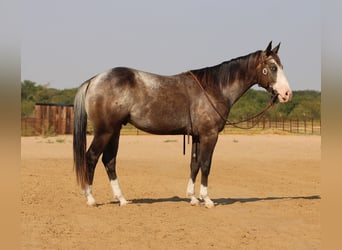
(149, 101)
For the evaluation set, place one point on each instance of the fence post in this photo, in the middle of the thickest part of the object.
(63, 116)
(71, 124)
(59, 120)
(305, 125)
(54, 117)
(37, 115)
(45, 120)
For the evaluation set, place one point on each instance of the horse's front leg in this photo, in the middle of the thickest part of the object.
(194, 168)
(207, 146)
(202, 152)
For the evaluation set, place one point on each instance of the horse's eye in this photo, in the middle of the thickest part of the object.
(274, 68)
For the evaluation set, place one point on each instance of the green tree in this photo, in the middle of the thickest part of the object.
(31, 93)
(251, 103)
(305, 103)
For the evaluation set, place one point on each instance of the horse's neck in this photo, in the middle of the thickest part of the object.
(232, 78)
(242, 76)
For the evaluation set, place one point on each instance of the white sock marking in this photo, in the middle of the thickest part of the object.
(88, 194)
(190, 191)
(203, 191)
(204, 195)
(117, 192)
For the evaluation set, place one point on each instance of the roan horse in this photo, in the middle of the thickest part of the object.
(195, 103)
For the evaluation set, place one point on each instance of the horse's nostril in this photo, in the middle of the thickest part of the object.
(289, 94)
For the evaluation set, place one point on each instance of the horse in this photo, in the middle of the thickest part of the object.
(194, 103)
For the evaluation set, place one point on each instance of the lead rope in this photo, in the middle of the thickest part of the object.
(259, 115)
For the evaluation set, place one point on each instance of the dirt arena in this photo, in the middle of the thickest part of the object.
(266, 189)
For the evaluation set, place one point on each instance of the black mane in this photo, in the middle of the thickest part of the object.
(226, 72)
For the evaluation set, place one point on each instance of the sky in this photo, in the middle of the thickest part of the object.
(64, 42)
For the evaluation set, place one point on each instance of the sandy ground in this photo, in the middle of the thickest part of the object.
(266, 189)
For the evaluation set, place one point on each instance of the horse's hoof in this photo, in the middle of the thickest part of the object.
(194, 201)
(124, 202)
(209, 204)
(92, 203)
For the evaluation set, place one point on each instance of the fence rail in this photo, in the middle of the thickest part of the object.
(289, 125)
(265, 125)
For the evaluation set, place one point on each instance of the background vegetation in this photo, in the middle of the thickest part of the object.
(304, 104)
(32, 93)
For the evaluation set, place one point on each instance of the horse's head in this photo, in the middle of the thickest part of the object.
(271, 75)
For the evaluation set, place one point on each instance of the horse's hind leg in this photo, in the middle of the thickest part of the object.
(109, 161)
(96, 148)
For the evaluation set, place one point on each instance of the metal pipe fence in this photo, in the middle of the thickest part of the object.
(286, 125)
(306, 126)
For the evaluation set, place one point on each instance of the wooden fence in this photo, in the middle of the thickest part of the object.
(49, 119)
(55, 119)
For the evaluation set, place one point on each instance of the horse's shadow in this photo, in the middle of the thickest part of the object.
(219, 201)
(229, 201)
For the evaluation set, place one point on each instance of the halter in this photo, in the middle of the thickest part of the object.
(258, 116)
(264, 73)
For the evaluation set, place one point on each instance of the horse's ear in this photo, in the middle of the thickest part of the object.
(269, 49)
(276, 48)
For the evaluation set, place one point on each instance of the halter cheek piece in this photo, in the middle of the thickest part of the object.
(264, 71)
(268, 86)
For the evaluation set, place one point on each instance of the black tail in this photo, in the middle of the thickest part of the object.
(79, 136)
